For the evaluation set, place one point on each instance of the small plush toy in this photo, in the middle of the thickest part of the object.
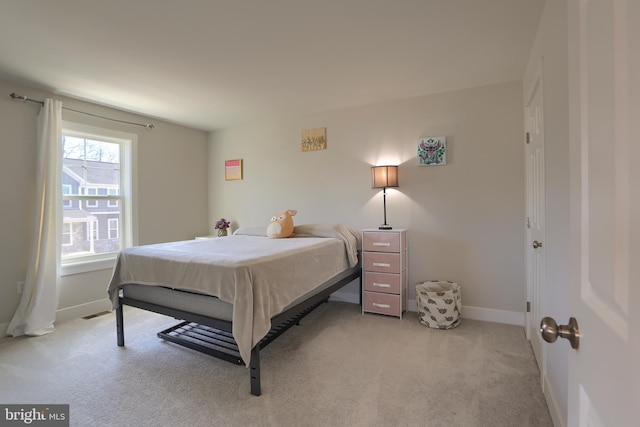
(281, 225)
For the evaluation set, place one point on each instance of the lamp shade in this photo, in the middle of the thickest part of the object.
(384, 176)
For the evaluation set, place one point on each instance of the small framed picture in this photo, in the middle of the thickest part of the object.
(313, 139)
(432, 150)
(233, 169)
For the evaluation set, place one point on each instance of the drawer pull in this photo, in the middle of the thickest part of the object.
(381, 264)
(375, 304)
(381, 285)
(381, 244)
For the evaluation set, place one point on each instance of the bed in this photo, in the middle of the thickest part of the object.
(235, 294)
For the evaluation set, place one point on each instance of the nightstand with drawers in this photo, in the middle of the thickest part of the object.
(384, 271)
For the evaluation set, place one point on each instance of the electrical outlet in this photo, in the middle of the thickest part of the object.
(20, 288)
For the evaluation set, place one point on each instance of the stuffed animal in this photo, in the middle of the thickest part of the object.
(281, 225)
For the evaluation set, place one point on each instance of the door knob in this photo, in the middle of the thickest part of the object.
(551, 331)
(537, 244)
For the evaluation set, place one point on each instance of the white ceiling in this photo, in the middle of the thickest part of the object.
(210, 64)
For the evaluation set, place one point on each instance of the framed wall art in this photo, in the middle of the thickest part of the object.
(432, 150)
(232, 169)
(314, 139)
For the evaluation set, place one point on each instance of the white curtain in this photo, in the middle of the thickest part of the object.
(36, 312)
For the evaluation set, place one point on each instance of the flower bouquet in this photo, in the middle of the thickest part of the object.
(221, 225)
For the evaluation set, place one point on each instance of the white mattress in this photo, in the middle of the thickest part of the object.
(206, 305)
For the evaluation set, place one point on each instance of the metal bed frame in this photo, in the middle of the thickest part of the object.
(214, 337)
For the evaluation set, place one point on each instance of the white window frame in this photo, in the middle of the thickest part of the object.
(67, 203)
(112, 192)
(127, 226)
(111, 228)
(91, 191)
(70, 234)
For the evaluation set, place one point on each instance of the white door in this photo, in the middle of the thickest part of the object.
(534, 152)
(604, 96)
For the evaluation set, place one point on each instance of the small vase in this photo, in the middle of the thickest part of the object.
(222, 232)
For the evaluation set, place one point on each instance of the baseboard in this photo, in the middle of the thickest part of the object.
(75, 312)
(485, 314)
(82, 310)
(555, 411)
(475, 313)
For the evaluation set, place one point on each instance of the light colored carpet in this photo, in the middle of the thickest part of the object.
(338, 368)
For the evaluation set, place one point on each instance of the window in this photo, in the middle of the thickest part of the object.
(112, 192)
(66, 234)
(97, 200)
(113, 228)
(66, 189)
(91, 203)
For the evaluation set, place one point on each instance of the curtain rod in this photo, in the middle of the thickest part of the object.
(25, 99)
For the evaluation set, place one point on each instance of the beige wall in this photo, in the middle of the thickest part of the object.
(172, 193)
(550, 49)
(465, 219)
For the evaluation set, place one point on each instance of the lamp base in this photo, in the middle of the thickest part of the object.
(385, 227)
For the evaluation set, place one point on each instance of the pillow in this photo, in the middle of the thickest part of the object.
(250, 230)
(281, 225)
